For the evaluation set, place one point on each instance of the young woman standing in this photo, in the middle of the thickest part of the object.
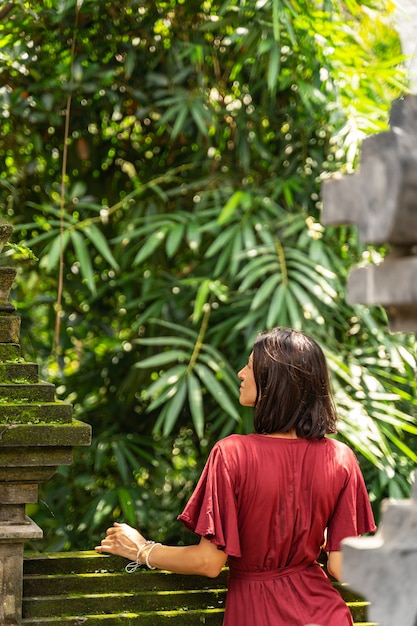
(268, 502)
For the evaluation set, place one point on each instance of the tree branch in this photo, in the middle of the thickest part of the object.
(6, 10)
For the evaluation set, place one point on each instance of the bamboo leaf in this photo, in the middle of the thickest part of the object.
(195, 399)
(127, 505)
(276, 14)
(274, 65)
(83, 257)
(173, 408)
(276, 307)
(152, 243)
(122, 467)
(401, 445)
(200, 117)
(164, 382)
(294, 313)
(163, 358)
(201, 299)
(230, 208)
(59, 244)
(180, 121)
(220, 242)
(100, 243)
(174, 239)
(166, 340)
(265, 291)
(215, 388)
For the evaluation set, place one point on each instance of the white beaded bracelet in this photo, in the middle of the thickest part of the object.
(133, 565)
(148, 554)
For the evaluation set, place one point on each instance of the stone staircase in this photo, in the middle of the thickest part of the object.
(86, 588)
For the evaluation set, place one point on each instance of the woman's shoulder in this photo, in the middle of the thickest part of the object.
(230, 442)
(233, 444)
(340, 449)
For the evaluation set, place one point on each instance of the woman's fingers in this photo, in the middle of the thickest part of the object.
(121, 539)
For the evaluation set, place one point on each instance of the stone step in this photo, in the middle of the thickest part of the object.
(108, 603)
(116, 582)
(80, 562)
(178, 618)
(90, 588)
(35, 392)
(9, 351)
(20, 413)
(19, 462)
(19, 372)
(19, 441)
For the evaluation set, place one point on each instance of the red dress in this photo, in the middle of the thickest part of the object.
(267, 501)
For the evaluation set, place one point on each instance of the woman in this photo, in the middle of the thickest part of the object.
(265, 501)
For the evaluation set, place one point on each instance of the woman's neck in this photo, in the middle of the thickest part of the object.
(291, 434)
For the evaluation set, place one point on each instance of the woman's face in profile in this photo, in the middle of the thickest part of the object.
(247, 388)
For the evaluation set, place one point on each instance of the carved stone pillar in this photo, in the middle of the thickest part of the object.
(381, 199)
(37, 434)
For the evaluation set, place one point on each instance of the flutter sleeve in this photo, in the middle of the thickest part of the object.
(352, 515)
(211, 511)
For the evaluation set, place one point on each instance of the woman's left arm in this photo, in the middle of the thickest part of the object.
(334, 564)
(203, 558)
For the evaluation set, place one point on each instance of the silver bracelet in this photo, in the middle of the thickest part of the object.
(133, 565)
(148, 554)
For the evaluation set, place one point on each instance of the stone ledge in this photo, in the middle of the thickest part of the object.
(19, 372)
(35, 413)
(20, 532)
(24, 392)
(391, 283)
(32, 436)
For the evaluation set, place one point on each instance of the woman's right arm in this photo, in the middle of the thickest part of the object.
(203, 558)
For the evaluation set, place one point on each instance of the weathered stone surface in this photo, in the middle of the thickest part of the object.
(18, 493)
(68, 435)
(12, 514)
(35, 413)
(392, 284)
(37, 433)
(7, 276)
(36, 473)
(383, 567)
(9, 328)
(24, 392)
(29, 458)
(16, 372)
(20, 532)
(9, 351)
(380, 198)
(406, 17)
(12, 592)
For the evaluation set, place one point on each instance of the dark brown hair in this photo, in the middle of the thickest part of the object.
(293, 386)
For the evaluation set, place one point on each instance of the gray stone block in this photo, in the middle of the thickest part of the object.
(383, 567)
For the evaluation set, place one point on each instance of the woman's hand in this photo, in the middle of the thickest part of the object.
(123, 540)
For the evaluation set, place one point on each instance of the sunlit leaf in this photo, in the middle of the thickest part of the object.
(58, 246)
(84, 260)
(127, 505)
(153, 242)
(195, 399)
(163, 358)
(216, 389)
(100, 243)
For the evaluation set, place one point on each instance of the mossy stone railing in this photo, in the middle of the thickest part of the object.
(86, 588)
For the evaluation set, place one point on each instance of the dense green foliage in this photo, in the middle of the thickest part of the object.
(164, 162)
